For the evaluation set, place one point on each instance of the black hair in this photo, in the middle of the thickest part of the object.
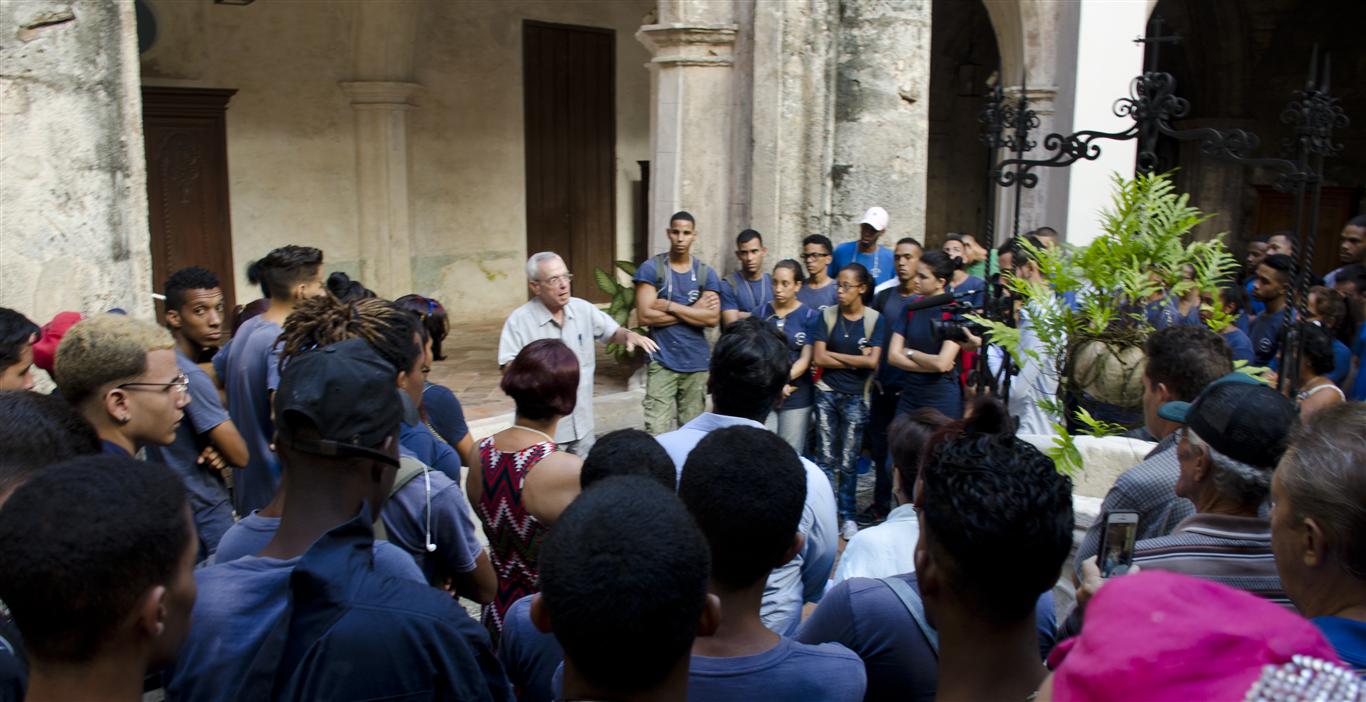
(864, 278)
(1044, 231)
(819, 240)
(994, 504)
(1357, 221)
(16, 331)
(1234, 294)
(907, 437)
(628, 452)
(1317, 349)
(941, 265)
(184, 280)
(343, 288)
(624, 581)
(749, 368)
(37, 431)
(1186, 359)
(280, 270)
(910, 240)
(747, 235)
(749, 530)
(1019, 254)
(798, 274)
(433, 316)
(1355, 274)
(682, 216)
(1282, 264)
(71, 581)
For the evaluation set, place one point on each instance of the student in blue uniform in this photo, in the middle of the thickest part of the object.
(743, 660)
(929, 362)
(310, 618)
(848, 344)
(677, 297)
(746, 291)
(787, 314)
(1272, 288)
(818, 292)
(890, 302)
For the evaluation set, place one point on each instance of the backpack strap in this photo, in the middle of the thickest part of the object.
(916, 607)
(870, 317)
(408, 469)
(830, 314)
(662, 266)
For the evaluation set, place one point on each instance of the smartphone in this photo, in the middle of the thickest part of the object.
(1117, 543)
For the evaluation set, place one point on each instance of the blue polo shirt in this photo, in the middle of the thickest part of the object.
(1265, 333)
(879, 263)
(250, 371)
(796, 326)
(749, 296)
(682, 347)
(1239, 343)
(818, 298)
(327, 626)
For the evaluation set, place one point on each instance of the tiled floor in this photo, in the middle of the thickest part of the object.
(471, 371)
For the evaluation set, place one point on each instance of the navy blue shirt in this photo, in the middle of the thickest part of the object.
(796, 326)
(916, 333)
(818, 298)
(325, 625)
(250, 370)
(743, 295)
(974, 289)
(1265, 333)
(891, 304)
(847, 337)
(1240, 344)
(529, 654)
(427, 447)
(682, 346)
(444, 413)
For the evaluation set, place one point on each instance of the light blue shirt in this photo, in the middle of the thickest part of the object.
(884, 550)
(803, 578)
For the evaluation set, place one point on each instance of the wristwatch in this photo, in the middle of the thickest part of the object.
(910, 353)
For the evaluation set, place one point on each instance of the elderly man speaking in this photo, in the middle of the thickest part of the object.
(552, 313)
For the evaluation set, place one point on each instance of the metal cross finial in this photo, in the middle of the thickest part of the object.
(1155, 39)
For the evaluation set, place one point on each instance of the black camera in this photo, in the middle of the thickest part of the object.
(956, 327)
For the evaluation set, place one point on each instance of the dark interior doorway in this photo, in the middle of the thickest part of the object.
(569, 99)
(185, 133)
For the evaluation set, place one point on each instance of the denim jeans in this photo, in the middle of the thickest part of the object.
(840, 418)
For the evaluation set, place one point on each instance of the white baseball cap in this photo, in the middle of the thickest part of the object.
(876, 217)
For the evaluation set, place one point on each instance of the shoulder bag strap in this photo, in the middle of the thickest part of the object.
(911, 599)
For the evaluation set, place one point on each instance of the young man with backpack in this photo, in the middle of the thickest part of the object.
(746, 291)
(677, 297)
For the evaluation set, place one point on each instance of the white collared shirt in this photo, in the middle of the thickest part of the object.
(584, 324)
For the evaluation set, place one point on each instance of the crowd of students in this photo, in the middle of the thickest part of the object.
(303, 523)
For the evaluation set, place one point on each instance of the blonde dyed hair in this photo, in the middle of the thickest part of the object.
(103, 349)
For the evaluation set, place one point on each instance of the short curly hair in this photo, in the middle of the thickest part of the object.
(1186, 359)
(102, 349)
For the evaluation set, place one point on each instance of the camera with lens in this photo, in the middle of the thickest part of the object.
(956, 327)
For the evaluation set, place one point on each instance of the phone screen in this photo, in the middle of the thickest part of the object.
(1117, 543)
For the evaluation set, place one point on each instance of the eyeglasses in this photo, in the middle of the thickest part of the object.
(565, 278)
(846, 286)
(181, 384)
(809, 256)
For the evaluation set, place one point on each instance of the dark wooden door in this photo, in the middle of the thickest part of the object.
(1276, 211)
(185, 133)
(569, 100)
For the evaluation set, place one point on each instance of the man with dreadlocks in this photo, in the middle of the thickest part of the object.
(313, 615)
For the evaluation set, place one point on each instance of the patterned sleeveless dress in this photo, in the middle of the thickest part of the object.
(514, 535)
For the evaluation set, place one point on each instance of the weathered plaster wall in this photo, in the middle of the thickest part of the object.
(469, 179)
(291, 130)
(73, 212)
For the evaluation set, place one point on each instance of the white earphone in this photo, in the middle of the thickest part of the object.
(427, 480)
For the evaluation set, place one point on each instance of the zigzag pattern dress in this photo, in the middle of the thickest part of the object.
(514, 535)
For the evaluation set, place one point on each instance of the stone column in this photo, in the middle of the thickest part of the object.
(881, 142)
(382, 175)
(691, 119)
(73, 194)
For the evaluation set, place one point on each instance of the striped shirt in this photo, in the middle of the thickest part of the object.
(1234, 551)
(1148, 488)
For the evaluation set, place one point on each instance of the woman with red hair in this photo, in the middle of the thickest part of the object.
(522, 482)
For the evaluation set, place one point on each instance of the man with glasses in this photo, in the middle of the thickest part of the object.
(818, 292)
(121, 374)
(552, 313)
(207, 444)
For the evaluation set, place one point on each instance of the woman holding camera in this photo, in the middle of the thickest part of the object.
(916, 348)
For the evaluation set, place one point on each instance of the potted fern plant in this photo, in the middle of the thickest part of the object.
(622, 305)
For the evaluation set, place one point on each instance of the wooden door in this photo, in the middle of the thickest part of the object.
(185, 133)
(1276, 211)
(569, 102)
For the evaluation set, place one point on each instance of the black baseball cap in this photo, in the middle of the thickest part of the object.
(347, 392)
(1247, 421)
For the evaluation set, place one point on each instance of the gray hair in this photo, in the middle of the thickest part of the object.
(1324, 476)
(1246, 484)
(533, 264)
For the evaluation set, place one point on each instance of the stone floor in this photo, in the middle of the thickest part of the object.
(471, 371)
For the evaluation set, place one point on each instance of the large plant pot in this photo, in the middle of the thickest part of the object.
(1110, 372)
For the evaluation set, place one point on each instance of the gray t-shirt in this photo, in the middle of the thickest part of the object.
(208, 494)
(453, 531)
(251, 534)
